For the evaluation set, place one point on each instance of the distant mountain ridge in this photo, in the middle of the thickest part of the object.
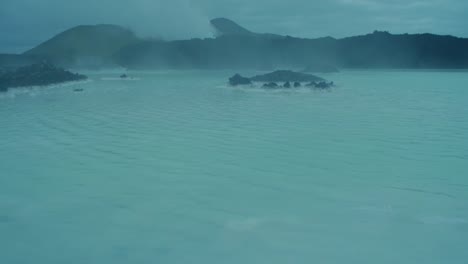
(378, 50)
(85, 45)
(225, 26)
(236, 47)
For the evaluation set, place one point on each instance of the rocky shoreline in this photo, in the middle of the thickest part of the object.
(39, 74)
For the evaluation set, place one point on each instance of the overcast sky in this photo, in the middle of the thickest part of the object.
(25, 23)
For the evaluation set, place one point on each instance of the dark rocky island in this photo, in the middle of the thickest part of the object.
(270, 80)
(286, 76)
(271, 85)
(321, 85)
(39, 74)
(237, 79)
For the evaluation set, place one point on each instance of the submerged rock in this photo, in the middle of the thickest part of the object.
(78, 90)
(124, 76)
(287, 85)
(286, 76)
(297, 84)
(239, 80)
(39, 74)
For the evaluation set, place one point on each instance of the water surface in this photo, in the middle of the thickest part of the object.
(177, 167)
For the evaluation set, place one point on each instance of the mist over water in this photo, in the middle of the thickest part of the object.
(177, 167)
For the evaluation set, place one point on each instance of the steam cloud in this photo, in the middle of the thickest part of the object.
(39, 20)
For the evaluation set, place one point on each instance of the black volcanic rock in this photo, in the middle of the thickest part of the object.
(239, 80)
(270, 80)
(286, 76)
(324, 85)
(320, 85)
(36, 75)
(270, 85)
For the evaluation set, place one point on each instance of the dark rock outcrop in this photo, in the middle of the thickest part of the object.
(286, 76)
(270, 80)
(324, 85)
(239, 80)
(321, 85)
(36, 75)
(271, 85)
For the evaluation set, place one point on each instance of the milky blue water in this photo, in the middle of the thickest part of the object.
(177, 167)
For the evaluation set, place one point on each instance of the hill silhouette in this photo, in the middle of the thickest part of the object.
(225, 26)
(85, 46)
(236, 47)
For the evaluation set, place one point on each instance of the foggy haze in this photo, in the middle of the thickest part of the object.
(29, 22)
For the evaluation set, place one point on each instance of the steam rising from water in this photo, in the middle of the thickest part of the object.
(177, 168)
(176, 19)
